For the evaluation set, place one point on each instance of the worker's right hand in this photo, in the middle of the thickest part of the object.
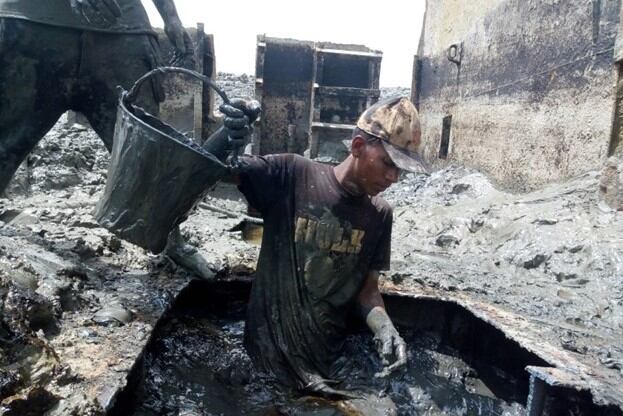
(97, 11)
(240, 114)
(389, 344)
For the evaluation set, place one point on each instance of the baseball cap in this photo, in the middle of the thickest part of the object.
(396, 123)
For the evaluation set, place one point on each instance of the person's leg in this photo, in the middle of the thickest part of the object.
(187, 256)
(102, 72)
(36, 63)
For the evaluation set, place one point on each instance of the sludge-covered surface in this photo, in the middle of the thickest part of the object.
(552, 256)
(196, 364)
(67, 285)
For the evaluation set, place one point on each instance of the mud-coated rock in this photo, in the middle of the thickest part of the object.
(24, 219)
(9, 381)
(534, 261)
(447, 240)
(26, 307)
(114, 314)
(34, 402)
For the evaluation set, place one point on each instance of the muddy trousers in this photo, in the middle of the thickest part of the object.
(47, 70)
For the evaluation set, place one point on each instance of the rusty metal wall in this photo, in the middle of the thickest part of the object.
(287, 77)
(312, 94)
(530, 91)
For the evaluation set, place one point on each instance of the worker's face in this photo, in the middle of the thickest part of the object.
(375, 169)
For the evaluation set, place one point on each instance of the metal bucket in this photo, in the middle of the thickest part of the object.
(156, 174)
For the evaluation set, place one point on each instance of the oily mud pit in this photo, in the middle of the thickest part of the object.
(458, 364)
(543, 267)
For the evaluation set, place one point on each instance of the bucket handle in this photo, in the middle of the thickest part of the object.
(131, 95)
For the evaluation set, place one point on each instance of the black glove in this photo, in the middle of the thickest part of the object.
(240, 114)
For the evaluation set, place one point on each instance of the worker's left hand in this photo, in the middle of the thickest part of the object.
(183, 54)
(97, 11)
(240, 114)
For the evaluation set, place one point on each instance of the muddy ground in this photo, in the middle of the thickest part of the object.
(78, 305)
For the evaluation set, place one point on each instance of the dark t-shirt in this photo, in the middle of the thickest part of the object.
(319, 244)
(133, 17)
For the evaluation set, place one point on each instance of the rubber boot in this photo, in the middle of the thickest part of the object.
(187, 256)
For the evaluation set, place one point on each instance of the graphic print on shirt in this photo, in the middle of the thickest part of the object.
(328, 250)
(327, 234)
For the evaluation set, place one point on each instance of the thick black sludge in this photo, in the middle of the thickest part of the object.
(196, 364)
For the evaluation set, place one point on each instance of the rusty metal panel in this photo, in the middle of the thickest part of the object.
(287, 81)
(312, 94)
(531, 94)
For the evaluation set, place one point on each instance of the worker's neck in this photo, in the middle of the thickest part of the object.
(346, 177)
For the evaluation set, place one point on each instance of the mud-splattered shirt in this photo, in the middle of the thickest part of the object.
(133, 17)
(319, 244)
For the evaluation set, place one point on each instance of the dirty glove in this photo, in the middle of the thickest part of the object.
(239, 117)
(183, 54)
(388, 342)
(97, 11)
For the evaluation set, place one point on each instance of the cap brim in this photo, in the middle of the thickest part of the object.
(405, 160)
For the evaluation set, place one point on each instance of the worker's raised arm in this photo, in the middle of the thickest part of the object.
(176, 33)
